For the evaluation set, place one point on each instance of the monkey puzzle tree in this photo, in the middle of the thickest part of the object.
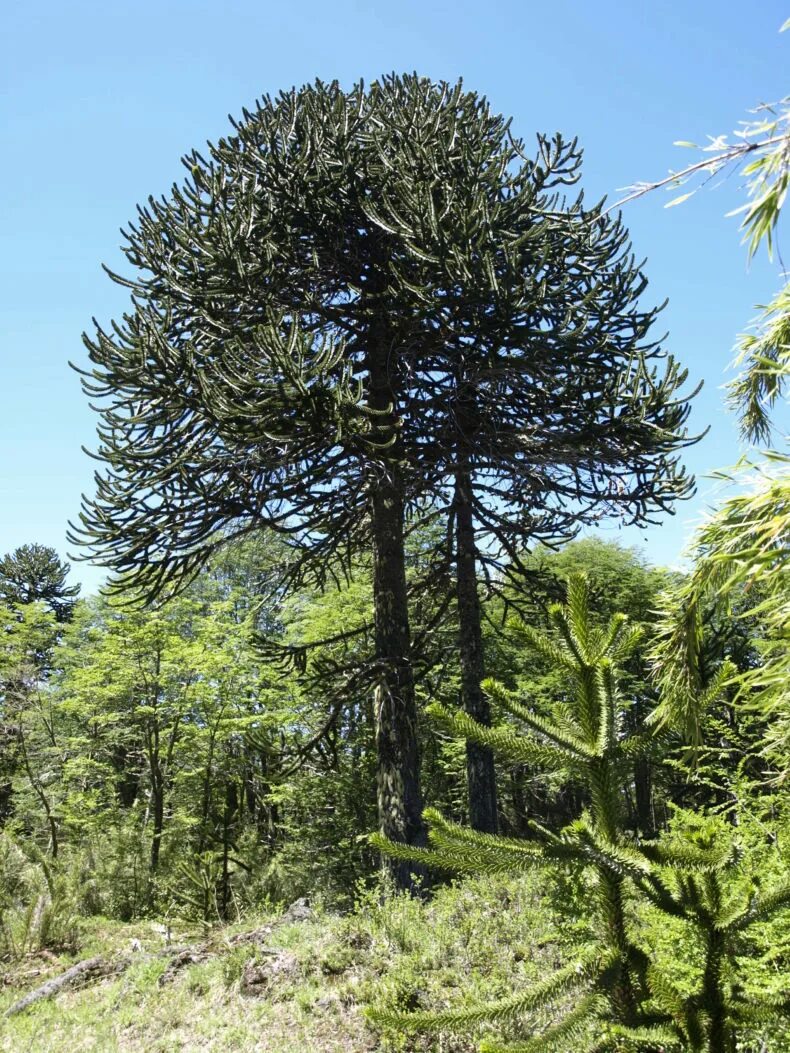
(259, 378)
(549, 406)
(358, 302)
(614, 995)
(34, 572)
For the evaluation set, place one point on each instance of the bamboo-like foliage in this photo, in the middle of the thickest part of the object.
(744, 545)
(742, 551)
(621, 1000)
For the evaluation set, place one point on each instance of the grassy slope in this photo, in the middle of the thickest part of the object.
(478, 941)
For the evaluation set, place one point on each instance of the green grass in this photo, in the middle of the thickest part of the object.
(473, 942)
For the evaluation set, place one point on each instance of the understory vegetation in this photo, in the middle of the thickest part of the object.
(262, 804)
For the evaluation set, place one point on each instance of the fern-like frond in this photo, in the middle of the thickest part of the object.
(471, 845)
(446, 828)
(667, 995)
(564, 734)
(686, 857)
(462, 857)
(583, 971)
(577, 610)
(428, 857)
(564, 626)
(640, 744)
(567, 1034)
(762, 907)
(616, 859)
(507, 742)
(546, 646)
(715, 689)
(762, 1013)
(607, 695)
(637, 1039)
(611, 639)
(626, 643)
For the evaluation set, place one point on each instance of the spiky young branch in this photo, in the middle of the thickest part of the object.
(626, 1001)
(587, 742)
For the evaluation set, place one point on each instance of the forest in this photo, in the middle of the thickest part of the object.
(372, 739)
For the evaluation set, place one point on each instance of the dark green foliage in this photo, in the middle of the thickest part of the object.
(35, 572)
(253, 312)
(357, 302)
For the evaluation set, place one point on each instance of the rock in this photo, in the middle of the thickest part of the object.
(164, 931)
(298, 911)
(181, 960)
(258, 977)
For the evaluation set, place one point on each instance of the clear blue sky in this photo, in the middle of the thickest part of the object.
(100, 100)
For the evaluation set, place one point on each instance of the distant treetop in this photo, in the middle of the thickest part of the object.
(35, 572)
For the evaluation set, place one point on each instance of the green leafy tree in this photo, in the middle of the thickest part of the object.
(172, 694)
(32, 586)
(31, 746)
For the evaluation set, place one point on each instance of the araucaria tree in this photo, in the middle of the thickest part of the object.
(35, 572)
(621, 999)
(359, 305)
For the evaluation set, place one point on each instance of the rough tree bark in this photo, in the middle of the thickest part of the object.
(397, 750)
(480, 771)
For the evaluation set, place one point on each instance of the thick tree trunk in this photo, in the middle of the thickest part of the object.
(521, 815)
(480, 772)
(643, 775)
(158, 816)
(127, 781)
(643, 793)
(397, 750)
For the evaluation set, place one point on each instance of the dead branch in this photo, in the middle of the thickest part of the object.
(83, 972)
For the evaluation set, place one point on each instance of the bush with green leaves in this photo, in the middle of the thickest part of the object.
(39, 902)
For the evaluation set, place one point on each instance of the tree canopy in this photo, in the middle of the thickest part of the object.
(36, 572)
(360, 309)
